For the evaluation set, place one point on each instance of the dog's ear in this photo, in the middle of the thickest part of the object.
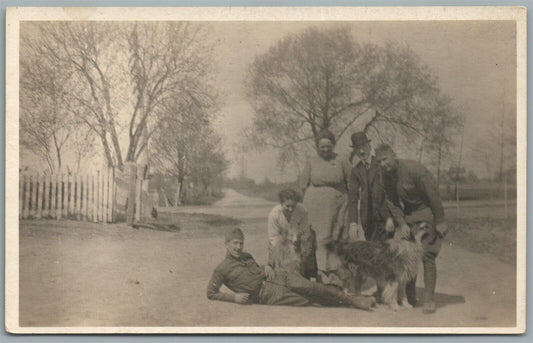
(420, 231)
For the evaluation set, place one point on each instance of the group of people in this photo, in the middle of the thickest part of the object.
(370, 191)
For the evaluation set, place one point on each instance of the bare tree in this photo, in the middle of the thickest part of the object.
(83, 146)
(106, 60)
(324, 79)
(438, 127)
(167, 60)
(45, 114)
(86, 51)
(183, 143)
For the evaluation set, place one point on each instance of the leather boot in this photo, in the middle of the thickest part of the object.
(430, 281)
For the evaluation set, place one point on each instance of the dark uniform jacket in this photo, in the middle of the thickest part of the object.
(242, 275)
(413, 189)
(365, 184)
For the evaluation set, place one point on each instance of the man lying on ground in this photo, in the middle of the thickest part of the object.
(252, 283)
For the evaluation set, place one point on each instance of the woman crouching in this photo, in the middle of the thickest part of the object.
(291, 241)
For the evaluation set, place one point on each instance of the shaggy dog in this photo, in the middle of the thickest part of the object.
(295, 252)
(391, 263)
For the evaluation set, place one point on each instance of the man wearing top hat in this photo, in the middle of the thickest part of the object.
(367, 206)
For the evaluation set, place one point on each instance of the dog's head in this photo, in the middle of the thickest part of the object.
(420, 231)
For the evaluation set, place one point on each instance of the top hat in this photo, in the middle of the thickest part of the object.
(358, 139)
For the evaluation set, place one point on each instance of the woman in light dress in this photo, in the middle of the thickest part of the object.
(324, 182)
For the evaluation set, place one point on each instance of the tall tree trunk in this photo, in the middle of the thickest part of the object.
(181, 179)
(439, 159)
(58, 155)
(116, 144)
(107, 150)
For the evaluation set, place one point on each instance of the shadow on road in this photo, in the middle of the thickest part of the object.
(442, 300)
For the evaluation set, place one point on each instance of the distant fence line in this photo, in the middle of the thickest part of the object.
(88, 197)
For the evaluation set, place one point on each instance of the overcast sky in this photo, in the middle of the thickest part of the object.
(475, 62)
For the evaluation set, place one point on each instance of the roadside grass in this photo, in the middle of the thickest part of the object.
(192, 222)
(494, 236)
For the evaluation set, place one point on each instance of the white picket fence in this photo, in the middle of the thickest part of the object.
(67, 196)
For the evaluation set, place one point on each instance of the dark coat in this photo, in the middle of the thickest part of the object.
(365, 184)
(413, 189)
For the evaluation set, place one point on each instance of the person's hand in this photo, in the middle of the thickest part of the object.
(241, 298)
(389, 225)
(442, 229)
(403, 232)
(269, 272)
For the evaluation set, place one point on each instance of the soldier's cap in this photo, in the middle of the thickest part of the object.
(383, 151)
(235, 233)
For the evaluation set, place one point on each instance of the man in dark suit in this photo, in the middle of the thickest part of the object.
(367, 206)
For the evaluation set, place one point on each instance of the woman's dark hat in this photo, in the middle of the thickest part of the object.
(358, 139)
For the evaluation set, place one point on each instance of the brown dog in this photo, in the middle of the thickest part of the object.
(392, 263)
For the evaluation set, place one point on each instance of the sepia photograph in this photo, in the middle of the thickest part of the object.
(266, 170)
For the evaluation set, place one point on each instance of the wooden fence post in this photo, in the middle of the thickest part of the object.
(110, 197)
(27, 185)
(25, 196)
(39, 207)
(63, 193)
(71, 181)
(46, 194)
(101, 196)
(86, 198)
(78, 197)
(105, 179)
(53, 205)
(95, 197)
(131, 194)
(34, 197)
(91, 197)
(138, 195)
(113, 195)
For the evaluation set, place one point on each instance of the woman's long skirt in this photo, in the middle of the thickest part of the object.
(327, 208)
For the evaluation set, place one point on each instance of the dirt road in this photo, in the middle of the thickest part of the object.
(81, 274)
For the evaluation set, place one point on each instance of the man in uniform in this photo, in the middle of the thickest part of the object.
(252, 283)
(409, 186)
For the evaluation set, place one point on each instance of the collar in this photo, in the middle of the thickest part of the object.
(244, 256)
(357, 160)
